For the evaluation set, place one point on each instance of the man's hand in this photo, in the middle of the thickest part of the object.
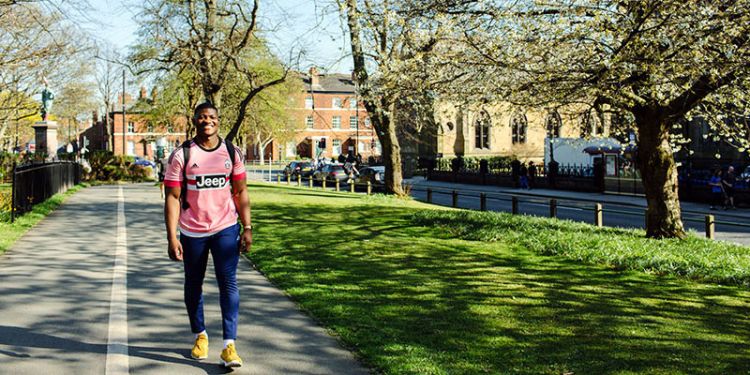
(246, 240)
(174, 249)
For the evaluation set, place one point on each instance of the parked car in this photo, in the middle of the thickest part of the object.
(376, 175)
(331, 172)
(745, 175)
(295, 168)
(144, 162)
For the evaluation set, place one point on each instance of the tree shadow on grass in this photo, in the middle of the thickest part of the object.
(411, 300)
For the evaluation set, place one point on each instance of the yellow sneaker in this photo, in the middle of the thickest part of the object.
(229, 357)
(200, 348)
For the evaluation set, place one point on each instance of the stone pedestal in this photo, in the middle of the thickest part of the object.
(46, 138)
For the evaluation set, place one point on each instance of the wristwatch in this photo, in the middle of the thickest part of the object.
(246, 227)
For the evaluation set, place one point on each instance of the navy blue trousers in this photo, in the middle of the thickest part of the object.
(224, 248)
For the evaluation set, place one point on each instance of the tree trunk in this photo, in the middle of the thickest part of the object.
(659, 176)
(386, 131)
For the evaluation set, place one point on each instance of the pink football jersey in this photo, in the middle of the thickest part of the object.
(209, 191)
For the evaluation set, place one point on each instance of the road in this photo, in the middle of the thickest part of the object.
(619, 211)
(90, 290)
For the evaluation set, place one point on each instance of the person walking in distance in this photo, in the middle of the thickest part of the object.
(206, 192)
(728, 181)
(532, 175)
(717, 190)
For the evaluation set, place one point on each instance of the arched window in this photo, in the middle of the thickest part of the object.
(591, 124)
(553, 124)
(519, 125)
(482, 131)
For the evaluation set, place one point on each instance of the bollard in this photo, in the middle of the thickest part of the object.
(482, 201)
(278, 179)
(324, 183)
(553, 208)
(369, 188)
(310, 182)
(288, 179)
(351, 186)
(429, 195)
(455, 198)
(338, 186)
(598, 215)
(710, 227)
(299, 180)
(514, 205)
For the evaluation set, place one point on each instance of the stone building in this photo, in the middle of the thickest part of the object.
(507, 130)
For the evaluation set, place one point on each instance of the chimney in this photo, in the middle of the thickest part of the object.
(314, 77)
(142, 94)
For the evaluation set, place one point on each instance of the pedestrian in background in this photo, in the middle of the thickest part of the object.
(728, 181)
(717, 191)
(532, 175)
(523, 176)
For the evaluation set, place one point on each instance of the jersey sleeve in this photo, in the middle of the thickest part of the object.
(173, 175)
(238, 171)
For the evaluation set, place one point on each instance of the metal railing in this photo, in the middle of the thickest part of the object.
(596, 208)
(35, 183)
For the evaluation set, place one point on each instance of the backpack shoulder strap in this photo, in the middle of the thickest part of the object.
(185, 157)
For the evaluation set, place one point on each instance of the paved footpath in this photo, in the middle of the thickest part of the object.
(83, 294)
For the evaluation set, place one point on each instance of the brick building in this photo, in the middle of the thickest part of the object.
(136, 135)
(332, 121)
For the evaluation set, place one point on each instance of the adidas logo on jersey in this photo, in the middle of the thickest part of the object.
(217, 181)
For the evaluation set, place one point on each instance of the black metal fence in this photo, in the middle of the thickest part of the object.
(35, 183)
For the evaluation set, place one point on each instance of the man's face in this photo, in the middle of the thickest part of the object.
(206, 122)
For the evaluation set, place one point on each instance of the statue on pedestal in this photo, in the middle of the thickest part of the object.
(47, 98)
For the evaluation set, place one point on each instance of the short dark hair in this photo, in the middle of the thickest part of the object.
(204, 105)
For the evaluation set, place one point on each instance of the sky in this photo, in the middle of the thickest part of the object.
(291, 26)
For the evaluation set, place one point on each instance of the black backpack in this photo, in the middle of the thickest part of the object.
(186, 156)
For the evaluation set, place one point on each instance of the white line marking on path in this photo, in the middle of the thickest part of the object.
(117, 339)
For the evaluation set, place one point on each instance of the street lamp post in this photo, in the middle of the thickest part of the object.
(124, 124)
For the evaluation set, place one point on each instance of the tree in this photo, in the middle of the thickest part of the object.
(391, 43)
(651, 63)
(208, 38)
(36, 41)
(76, 100)
(105, 74)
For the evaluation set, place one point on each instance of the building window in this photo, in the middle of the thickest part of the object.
(336, 122)
(309, 122)
(170, 128)
(519, 125)
(150, 128)
(553, 124)
(131, 148)
(367, 122)
(353, 122)
(591, 125)
(336, 147)
(309, 102)
(336, 103)
(352, 103)
(131, 127)
(482, 131)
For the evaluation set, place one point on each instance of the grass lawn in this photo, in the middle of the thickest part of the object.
(417, 299)
(9, 233)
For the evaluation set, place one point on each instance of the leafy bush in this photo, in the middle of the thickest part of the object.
(106, 166)
(695, 258)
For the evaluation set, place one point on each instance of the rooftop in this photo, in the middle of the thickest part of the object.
(334, 82)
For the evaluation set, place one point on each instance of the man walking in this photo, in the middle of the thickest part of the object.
(206, 191)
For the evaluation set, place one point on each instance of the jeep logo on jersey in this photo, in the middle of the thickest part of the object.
(213, 181)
